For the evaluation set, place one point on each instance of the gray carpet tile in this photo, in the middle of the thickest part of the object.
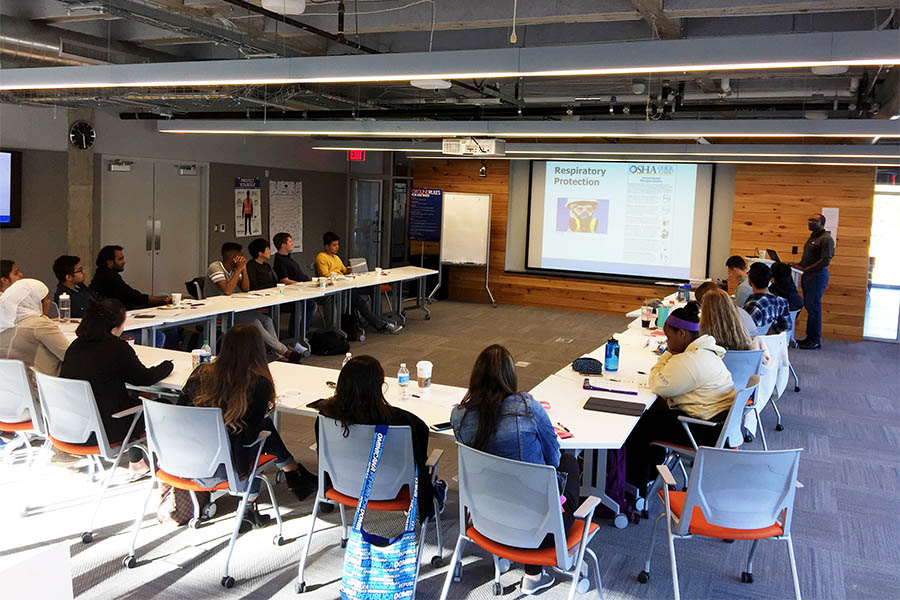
(845, 525)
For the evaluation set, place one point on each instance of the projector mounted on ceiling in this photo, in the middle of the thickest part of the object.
(470, 146)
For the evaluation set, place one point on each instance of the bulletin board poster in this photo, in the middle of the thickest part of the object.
(425, 206)
(286, 210)
(247, 207)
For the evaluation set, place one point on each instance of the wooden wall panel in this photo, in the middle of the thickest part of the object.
(467, 283)
(771, 207)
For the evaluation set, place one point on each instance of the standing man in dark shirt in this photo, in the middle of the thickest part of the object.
(108, 282)
(817, 254)
(70, 274)
(288, 271)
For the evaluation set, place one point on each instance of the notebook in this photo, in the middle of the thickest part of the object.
(616, 407)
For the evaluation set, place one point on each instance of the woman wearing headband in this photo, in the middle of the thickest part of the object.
(26, 333)
(690, 379)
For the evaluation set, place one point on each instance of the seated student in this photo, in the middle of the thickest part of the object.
(102, 358)
(495, 417)
(229, 274)
(70, 275)
(289, 272)
(259, 271)
(783, 285)
(26, 333)
(328, 262)
(690, 379)
(239, 383)
(767, 310)
(707, 287)
(108, 282)
(719, 318)
(359, 400)
(737, 268)
(9, 274)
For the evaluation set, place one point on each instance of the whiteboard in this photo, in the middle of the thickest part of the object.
(465, 228)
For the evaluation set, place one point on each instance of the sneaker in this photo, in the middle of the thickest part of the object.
(302, 350)
(391, 328)
(440, 494)
(253, 519)
(533, 585)
(301, 483)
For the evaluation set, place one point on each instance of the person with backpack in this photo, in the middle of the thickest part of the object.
(495, 417)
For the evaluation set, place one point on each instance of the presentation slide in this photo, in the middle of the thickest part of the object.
(5, 186)
(619, 218)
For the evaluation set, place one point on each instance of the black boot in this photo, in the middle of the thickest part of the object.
(253, 519)
(301, 482)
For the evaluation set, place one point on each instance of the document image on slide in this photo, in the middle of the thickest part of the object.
(5, 179)
(582, 215)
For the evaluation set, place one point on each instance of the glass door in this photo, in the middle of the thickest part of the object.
(365, 221)
(883, 300)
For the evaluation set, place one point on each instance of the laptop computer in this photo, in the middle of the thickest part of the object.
(359, 265)
(773, 255)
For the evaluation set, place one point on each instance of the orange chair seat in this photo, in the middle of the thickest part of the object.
(386, 287)
(191, 485)
(674, 446)
(79, 449)
(530, 556)
(401, 502)
(23, 426)
(699, 525)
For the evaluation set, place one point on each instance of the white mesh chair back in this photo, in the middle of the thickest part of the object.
(776, 379)
(511, 502)
(345, 459)
(189, 441)
(794, 314)
(16, 401)
(71, 411)
(742, 364)
(731, 434)
(359, 265)
(746, 489)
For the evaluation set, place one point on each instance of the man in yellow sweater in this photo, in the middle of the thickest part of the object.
(328, 262)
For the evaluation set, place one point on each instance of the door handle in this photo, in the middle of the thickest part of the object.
(157, 225)
(149, 233)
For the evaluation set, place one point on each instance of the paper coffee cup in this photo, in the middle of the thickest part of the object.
(423, 373)
(280, 287)
(377, 271)
(176, 298)
(322, 282)
(762, 254)
(196, 357)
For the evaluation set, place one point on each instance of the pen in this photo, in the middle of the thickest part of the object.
(587, 386)
(563, 426)
(415, 396)
(641, 373)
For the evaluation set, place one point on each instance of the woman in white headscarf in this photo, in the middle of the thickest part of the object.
(26, 333)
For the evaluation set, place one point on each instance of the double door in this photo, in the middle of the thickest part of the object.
(156, 211)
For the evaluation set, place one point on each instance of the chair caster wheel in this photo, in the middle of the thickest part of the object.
(796, 388)
(87, 537)
(209, 511)
(643, 577)
(278, 540)
(228, 582)
(728, 541)
(436, 562)
(427, 317)
(129, 562)
(779, 427)
(194, 523)
(343, 543)
(621, 521)
(279, 476)
(300, 587)
(497, 589)
(640, 504)
(746, 577)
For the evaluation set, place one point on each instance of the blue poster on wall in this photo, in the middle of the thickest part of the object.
(425, 207)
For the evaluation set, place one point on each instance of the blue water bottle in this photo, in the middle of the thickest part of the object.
(612, 355)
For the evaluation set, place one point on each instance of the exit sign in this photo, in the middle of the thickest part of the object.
(356, 155)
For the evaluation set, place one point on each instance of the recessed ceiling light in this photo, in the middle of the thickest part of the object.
(285, 7)
(430, 84)
(829, 69)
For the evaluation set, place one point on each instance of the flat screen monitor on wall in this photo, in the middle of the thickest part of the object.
(632, 219)
(10, 189)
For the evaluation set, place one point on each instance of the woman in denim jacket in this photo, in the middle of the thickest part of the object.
(496, 418)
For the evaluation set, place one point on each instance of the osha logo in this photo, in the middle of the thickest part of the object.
(652, 169)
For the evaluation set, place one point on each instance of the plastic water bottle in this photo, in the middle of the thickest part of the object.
(403, 381)
(611, 363)
(347, 358)
(65, 308)
(207, 352)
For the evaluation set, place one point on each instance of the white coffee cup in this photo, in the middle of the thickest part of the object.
(280, 287)
(196, 357)
(762, 254)
(377, 271)
(322, 281)
(176, 298)
(423, 373)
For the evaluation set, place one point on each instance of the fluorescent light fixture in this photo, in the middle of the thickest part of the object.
(704, 160)
(887, 189)
(430, 84)
(691, 130)
(732, 53)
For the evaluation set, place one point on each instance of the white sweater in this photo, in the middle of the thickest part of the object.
(695, 381)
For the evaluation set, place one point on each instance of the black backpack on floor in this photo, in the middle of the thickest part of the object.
(324, 342)
(352, 325)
